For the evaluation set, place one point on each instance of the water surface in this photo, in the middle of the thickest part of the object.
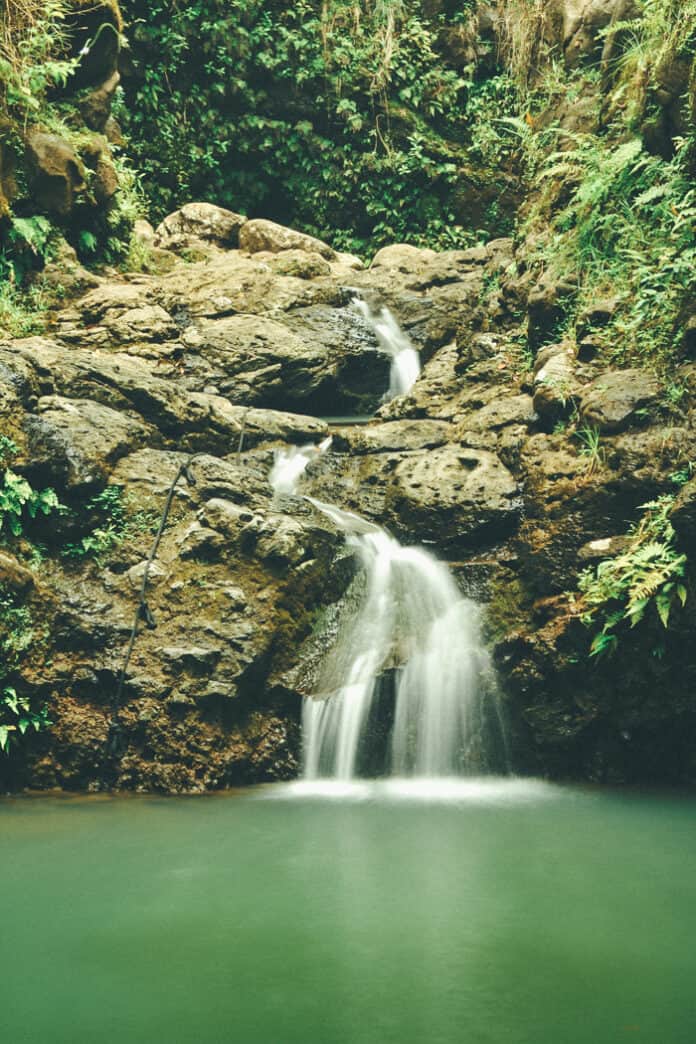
(483, 913)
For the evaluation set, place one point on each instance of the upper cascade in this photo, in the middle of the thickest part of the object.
(392, 341)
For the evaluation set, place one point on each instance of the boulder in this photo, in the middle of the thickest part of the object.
(94, 30)
(315, 359)
(555, 384)
(95, 107)
(619, 399)
(75, 442)
(199, 222)
(302, 264)
(56, 173)
(259, 235)
(455, 495)
(14, 576)
(403, 257)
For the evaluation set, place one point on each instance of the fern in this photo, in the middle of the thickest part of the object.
(622, 589)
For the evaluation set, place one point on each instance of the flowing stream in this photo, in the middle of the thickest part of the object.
(413, 642)
(393, 342)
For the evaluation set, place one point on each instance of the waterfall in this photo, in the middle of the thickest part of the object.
(404, 685)
(289, 465)
(392, 341)
(413, 634)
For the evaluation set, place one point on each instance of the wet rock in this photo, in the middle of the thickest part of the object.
(259, 235)
(393, 436)
(619, 399)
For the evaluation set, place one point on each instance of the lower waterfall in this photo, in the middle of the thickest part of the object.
(413, 641)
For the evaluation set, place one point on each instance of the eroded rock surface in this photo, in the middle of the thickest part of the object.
(522, 476)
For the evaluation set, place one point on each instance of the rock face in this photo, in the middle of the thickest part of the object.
(218, 363)
(618, 399)
(57, 174)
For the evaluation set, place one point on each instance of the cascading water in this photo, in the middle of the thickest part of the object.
(289, 465)
(392, 341)
(412, 641)
(413, 627)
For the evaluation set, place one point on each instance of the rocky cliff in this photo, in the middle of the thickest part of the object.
(220, 360)
(547, 452)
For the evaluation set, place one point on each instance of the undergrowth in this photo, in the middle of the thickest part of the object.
(341, 117)
(647, 576)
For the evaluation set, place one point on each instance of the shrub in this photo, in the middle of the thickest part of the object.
(18, 499)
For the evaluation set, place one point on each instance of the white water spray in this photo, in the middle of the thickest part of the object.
(289, 465)
(392, 341)
(414, 627)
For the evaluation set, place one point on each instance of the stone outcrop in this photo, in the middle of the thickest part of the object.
(220, 362)
(199, 222)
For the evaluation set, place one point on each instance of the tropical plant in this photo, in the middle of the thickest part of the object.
(341, 117)
(648, 573)
(17, 716)
(17, 497)
(590, 447)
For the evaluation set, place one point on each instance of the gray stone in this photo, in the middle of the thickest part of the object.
(77, 442)
(619, 399)
(455, 495)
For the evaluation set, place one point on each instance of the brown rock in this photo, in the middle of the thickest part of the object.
(56, 173)
(95, 107)
(200, 222)
(259, 234)
(615, 401)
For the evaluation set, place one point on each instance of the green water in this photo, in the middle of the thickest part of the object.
(504, 914)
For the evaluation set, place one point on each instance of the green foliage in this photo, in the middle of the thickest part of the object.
(649, 572)
(16, 636)
(616, 217)
(590, 447)
(32, 54)
(17, 716)
(18, 499)
(684, 474)
(115, 520)
(340, 117)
